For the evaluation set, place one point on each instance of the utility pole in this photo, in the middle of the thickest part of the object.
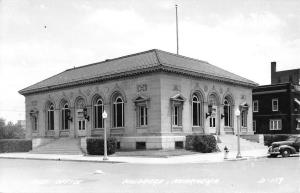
(177, 29)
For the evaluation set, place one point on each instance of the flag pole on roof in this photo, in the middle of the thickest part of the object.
(177, 29)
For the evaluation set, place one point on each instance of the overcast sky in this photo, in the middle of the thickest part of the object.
(40, 38)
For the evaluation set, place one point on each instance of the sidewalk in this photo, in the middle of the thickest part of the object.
(194, 158)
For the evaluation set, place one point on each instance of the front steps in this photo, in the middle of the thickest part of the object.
(64, 145)
(230, 141)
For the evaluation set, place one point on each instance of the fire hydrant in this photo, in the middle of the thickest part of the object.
(226, 151)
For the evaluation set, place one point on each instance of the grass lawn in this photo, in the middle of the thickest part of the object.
(154, 153)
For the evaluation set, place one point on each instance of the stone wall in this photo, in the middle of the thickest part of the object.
(172, 85)
(159, 87)
(147, 85)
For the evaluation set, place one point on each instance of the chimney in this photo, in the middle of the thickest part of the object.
(273, 66)
(273, 71)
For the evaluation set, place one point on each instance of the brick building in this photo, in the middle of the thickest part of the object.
(153, 99)
(292, 76)
(276, 107)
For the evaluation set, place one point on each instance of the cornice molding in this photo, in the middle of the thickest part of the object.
(133, 73)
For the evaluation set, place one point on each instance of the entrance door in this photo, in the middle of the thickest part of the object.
(212, 120)
(80, 123)
(81, 127)
(212, 124)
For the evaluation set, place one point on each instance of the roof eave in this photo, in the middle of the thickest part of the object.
(26, 92)
(210, 77)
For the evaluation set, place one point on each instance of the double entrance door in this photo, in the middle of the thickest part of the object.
(213, 118)
(80, 123)
(212, 124)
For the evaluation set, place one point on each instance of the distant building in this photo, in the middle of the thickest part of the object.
(276, 107)
(153, 100)
(22, 124)
(292, 76)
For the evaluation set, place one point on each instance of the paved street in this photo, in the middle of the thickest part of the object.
(253, 176)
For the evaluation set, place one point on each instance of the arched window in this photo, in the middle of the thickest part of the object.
(197, 111)
(65, 113)
(227, 114)
(118, 112)
(98, 110)
(50, 114)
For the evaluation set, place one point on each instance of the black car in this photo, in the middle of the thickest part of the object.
(285, 148)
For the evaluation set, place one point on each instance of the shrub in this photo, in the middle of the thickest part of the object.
(15, 145)
(189, 142)
(95, 146)
(201, 143)
(270, 138)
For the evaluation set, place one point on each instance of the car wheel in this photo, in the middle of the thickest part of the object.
(285, 153)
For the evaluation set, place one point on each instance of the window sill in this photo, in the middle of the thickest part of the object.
(244, 129)
(196, 128)
(177, 129)
(117, 130)
(50, 133)
(117, 127)
(142, 127)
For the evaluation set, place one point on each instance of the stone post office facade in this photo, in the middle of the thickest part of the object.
(153, 99)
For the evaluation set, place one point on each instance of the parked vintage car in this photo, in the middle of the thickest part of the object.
(285, 148)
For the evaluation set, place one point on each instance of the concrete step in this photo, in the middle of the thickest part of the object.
(230, 141)
(68, 146)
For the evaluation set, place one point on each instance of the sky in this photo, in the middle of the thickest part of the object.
(40, 38)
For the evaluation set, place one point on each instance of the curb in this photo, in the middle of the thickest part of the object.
(63, 159)
(246, 158)
(117, 162)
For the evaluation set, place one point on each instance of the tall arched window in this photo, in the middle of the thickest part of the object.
(197, 111)
(65, 117)
(118, 112)
(50, 114)
(227, 114)
(98, 110)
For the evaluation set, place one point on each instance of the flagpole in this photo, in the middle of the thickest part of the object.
(177, 29)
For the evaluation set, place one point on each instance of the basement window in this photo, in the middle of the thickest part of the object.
(298, 124)
(140, 145)
(178, 144)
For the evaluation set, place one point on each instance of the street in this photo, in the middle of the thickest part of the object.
(253, 176)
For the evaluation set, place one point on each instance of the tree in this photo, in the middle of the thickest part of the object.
(2, 122)
(10, 130)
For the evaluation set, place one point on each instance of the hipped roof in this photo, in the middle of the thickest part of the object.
(151, 60)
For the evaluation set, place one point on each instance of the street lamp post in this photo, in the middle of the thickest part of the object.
(237, 114)
(104, 115)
